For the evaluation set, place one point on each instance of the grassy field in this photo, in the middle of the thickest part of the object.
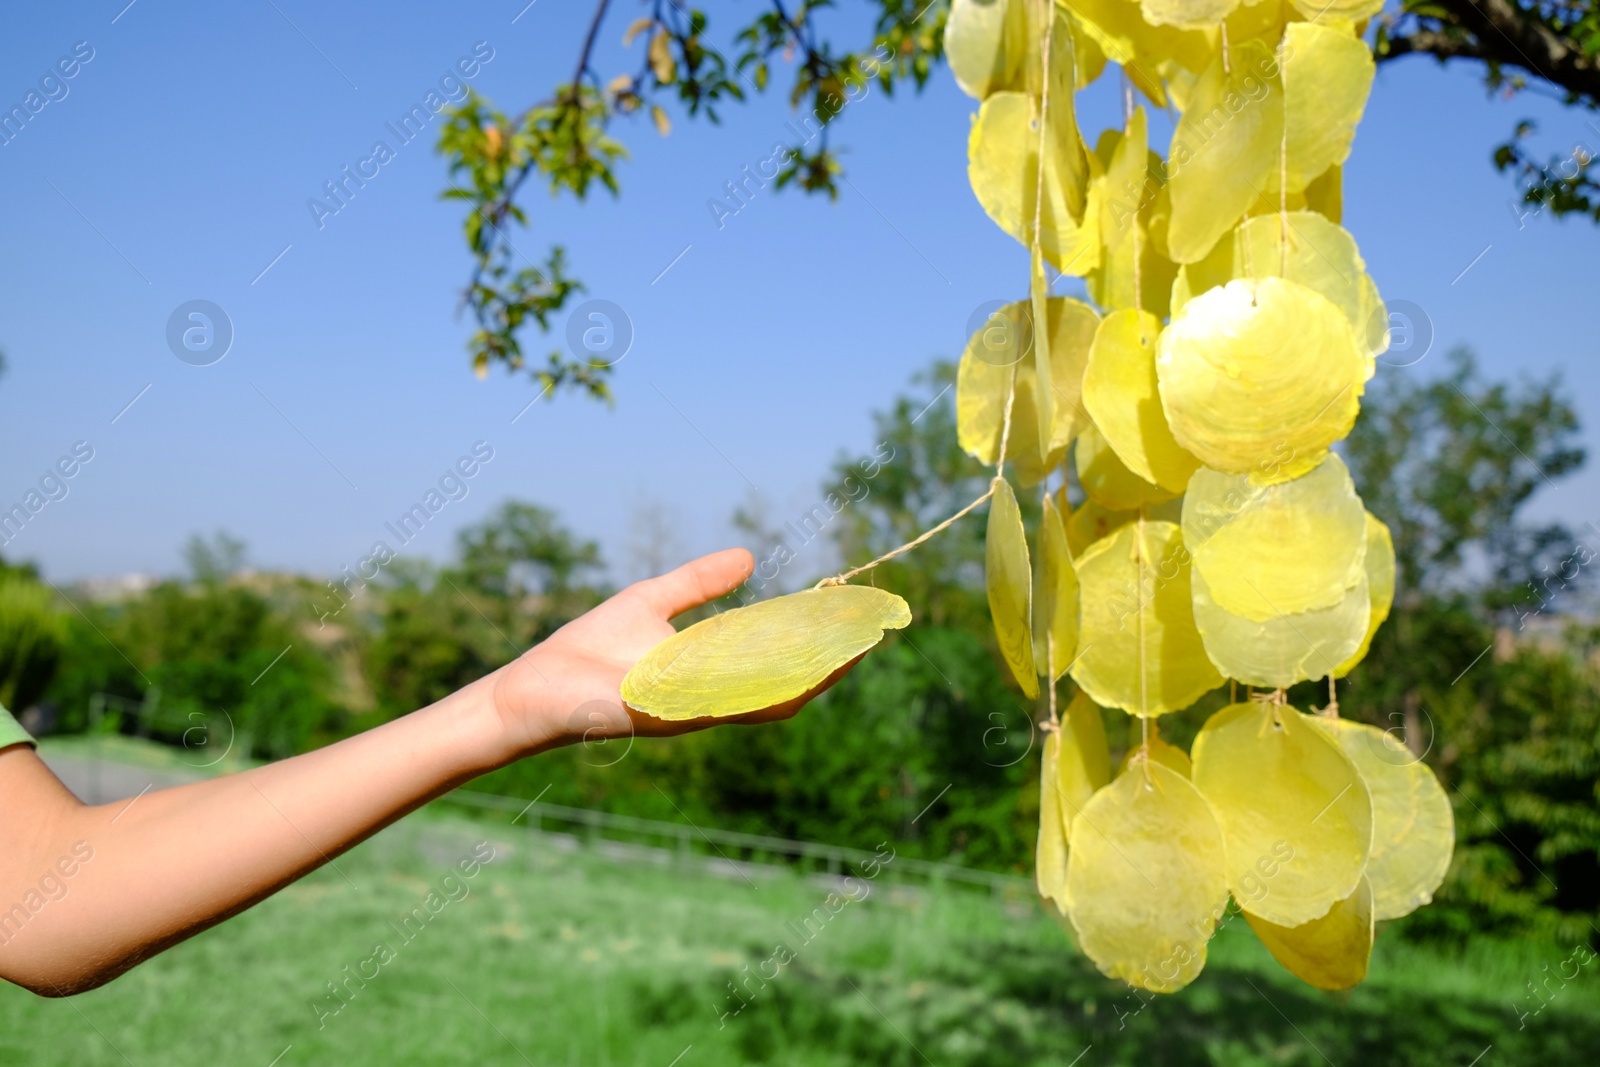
(552, 956)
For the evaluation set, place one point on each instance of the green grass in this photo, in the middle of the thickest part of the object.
(570, 958)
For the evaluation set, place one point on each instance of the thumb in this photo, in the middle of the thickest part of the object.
(697, 581)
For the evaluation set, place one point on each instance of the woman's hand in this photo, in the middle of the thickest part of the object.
(568, 688)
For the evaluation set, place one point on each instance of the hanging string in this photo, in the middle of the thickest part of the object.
(840, 579)
(1283, 189)
(1332, 709)
(1034, 245)
(1050, 680)
(1138, 230)
(1144, 701)
(1005, 424)
(1227, 68)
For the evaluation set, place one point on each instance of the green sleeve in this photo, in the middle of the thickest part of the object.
(11, 733)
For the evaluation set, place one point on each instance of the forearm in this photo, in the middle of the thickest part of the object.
(87, 892)
(171, 863)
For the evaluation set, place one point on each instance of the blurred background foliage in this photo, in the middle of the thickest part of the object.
(1489, 667)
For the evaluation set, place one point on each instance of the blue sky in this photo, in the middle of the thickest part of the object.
(179, 163)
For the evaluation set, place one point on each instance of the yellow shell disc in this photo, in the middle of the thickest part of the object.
(1107, 480)
(1050, 856)
(1010, 582)
(1145, 879)
(1329, 953)
(1319, 254)
(1170, 756)
(1121, 395)
(1119, 28)
(1089, 522)
(1225, 148)
(1275, 550)
(1128, 200)
(1275, 653)
(1005, 344)
(1136, 616)
(1325, 194)
(1293, 810)
(751, 658)
(1187, 14)
(1260, 372)
(1346, 10)
(986, 44)
(1327, 74)
(1055, 600)
(1003, 163)
(1413, 827)
(1084, 760)
(1379, 565)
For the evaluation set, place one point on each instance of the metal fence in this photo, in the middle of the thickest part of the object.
(685, 840)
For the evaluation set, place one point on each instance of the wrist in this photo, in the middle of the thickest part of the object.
(474, 731)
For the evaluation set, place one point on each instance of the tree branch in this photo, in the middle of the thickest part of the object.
(1504, 33)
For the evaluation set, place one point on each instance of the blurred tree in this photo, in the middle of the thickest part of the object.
(1508, 716)
(926, 479)
(212, 652)
(1450, 463)
(519, 576)
(215, 559)
(31, 633)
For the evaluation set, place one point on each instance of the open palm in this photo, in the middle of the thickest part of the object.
(568, 688)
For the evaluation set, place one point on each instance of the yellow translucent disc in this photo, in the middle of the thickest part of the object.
(1170, 756)
(1050, 855)
(1107, 480)
(1413, 827)
(1346, 10)
(1379, 565)
(1275, 653)
(1327, 74)
(1119, 28)
(1330, 952)
(751, 658)
(1121, 395)
(1256, 22)
(1224, 149)
(1055, 598)
(1084, 761)
(1005, 344)
(1089, 57)
(1325, 194)
(1293, 810)
(1260, 372)
(1127, 197)
(1090, 521)
(1145, 882)
(986, 44)
(1187, 14)
(1318, 254)
(1003, 164)
(1275, 550)
(1010, 583)
(1136, 614)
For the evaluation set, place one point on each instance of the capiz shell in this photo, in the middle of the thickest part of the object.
(750, 658)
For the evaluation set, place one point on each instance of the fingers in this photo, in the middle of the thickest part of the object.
(698, 581)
